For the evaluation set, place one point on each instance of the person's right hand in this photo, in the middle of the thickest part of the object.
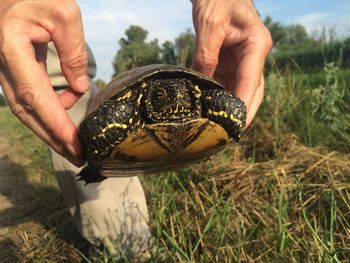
(26, 26)
(231, 45)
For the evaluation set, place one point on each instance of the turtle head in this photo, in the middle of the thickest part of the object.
(169, 100)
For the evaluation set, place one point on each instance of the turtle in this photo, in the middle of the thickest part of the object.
(157, 118)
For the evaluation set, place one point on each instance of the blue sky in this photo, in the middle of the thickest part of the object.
(105, 21)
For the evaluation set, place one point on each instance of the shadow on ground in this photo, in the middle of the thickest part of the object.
(33, 214)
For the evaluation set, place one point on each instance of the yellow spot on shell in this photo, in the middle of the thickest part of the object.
(177, 108)
(138, 101)
(143, 85)
(125, 96)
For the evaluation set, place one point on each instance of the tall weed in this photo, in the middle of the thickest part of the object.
(330, 107)
(316, 107)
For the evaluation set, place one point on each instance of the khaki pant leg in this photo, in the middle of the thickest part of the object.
(112, 212)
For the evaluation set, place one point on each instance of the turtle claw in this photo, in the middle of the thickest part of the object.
(90, 175)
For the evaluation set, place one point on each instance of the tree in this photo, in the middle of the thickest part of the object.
(325, 35)
(180, 51)
(277, 30)
(185, 44)
(296, 35)
(101, 84)
(168, 55)
(134, 34)
(287, 36)
(135, 51)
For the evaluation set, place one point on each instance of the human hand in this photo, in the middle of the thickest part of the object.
(26, 26)
(231, 47)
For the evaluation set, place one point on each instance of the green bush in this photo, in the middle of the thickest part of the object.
(314, 106)
(311, 58)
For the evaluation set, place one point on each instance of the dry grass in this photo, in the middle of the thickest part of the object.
(249, 207)
(268, 199)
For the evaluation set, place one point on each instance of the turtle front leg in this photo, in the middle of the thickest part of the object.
(103, 130)
(225, 109)
(108, 126)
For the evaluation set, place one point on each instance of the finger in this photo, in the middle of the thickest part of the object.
(226, 69)
(257, 99)
(205, 58)
(249, 72)
(34, 91)
(209, 39)
(69, 41)
(34, 124)
(69, 97)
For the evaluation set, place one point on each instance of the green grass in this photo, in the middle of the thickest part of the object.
(40, 228)
(255, 215)
(281, 195)
(316, 107)
(27, 146)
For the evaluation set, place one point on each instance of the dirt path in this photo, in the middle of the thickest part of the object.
(5, 203)
(16, 199)
(32, 213)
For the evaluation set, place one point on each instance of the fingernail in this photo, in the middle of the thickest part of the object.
(82, 83)
(77, 161)
(71, 155)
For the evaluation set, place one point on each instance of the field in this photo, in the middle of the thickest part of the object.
(282, 194)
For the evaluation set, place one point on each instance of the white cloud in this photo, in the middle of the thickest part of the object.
(316, 22)
(106, 21)
(312, 21)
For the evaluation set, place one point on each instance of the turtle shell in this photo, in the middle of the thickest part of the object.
(150, 131)
(136, 76)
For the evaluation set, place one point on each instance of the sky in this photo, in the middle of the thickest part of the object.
(105, 21)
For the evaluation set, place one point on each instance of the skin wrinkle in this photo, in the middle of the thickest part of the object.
(25, 30)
